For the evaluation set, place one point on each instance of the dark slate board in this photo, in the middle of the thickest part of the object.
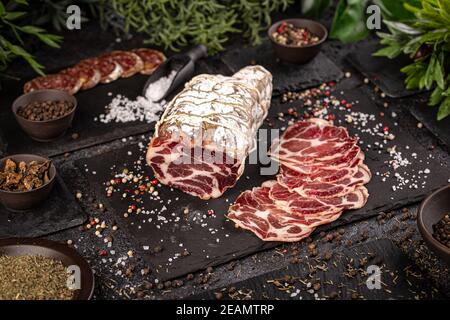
(383, 72)
(91, 103)
(59, 212)
(427, 115)
(383, 253)
(199, 241)
(286, 76)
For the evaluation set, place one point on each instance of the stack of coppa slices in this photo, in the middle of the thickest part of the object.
(103, 69)
(322, 173)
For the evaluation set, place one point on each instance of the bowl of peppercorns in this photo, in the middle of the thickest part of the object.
(45, 115)
(297, 40)
(433, 221)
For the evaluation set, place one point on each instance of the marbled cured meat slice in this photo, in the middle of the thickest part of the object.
(130, 62)
(276, 214)
(54, 81)
(255, 211)
(152, 59)
(322, 174)
(206, 132)
(291, 178)
(89, 75)
(316, 144)
(332, 184)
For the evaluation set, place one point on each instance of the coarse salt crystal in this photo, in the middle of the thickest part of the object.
(123, 109)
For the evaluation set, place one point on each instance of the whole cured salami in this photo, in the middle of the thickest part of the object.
(152, 59)
(54, 81)
(206, 132)
(130, 62)
(89, 75)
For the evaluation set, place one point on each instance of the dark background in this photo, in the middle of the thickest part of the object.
(110, 281)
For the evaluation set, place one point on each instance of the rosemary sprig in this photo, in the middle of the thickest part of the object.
(176, 23)
(425, 39)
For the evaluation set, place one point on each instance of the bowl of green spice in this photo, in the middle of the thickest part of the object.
(40, 269)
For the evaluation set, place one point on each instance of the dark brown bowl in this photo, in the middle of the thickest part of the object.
(49, 130)
(56, 251)
(295, 54)
(22, 201)
(432, 209)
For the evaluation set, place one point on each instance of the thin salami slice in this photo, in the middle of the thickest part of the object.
(130, 62)
(89, 75)
(152, 59)
(54, 81)
(109, 69)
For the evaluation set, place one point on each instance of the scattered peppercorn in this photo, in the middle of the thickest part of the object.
(441, 230)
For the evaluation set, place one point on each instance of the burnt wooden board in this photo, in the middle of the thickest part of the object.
(218, 241)
(406, 283)
(381, 71)
(59, 212)
(91, 103)
(286, 76)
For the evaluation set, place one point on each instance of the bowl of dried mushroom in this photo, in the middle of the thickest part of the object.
(26, 181)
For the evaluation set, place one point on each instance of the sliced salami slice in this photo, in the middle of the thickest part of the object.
(89, 75)
(152, 59)
(109, 69)
(54, 81)
(130, 62)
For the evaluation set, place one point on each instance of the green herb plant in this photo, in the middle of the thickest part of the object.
(349, 21)
(176, 23)
(13, 34)
(426, 39)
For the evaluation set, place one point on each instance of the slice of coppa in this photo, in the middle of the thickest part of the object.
(322, 174)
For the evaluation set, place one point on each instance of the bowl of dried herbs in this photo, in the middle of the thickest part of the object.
(41, 269)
